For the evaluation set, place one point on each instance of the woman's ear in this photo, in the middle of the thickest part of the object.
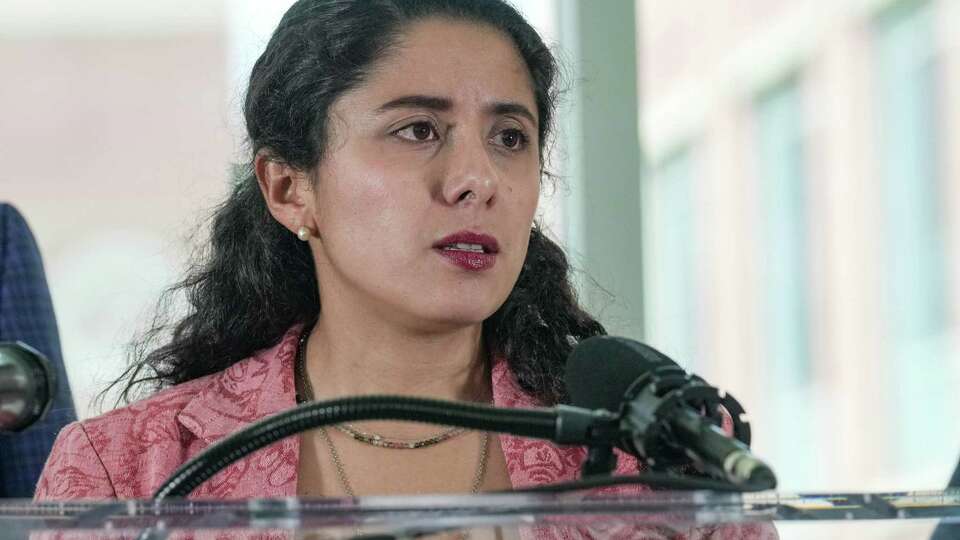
(287, 191)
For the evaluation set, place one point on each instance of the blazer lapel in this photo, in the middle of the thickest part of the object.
(248, 391)
(530, 461)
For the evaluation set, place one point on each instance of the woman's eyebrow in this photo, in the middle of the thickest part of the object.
(437, 103)
(502, 108)
(417, 102)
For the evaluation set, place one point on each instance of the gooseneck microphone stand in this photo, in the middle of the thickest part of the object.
(561, 424)
(565, 425)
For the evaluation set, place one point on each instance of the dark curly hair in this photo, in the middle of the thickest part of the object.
(254, 279)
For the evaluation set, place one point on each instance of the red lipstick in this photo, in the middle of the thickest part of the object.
(469, 250)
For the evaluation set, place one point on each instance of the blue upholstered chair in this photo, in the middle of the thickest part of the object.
(26, 314)
(949, 531)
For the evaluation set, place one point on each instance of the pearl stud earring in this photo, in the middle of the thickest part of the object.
(304, 234)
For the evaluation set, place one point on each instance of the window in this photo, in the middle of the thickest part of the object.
(782, 179)
(784, 285)
(671, 260)
(915, 266)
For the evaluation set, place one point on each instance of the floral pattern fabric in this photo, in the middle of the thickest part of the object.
(129, 452)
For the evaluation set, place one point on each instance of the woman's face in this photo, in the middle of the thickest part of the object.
(429, 183)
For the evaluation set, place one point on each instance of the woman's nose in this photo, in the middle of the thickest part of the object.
(470, 176)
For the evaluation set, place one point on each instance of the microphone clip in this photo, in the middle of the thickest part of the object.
(654, 400)
(598, 429)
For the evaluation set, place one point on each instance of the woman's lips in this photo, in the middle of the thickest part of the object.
(469, 250)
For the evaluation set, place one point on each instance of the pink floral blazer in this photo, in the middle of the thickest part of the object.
(129, 452)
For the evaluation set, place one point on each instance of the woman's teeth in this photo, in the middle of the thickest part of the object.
(477, 248)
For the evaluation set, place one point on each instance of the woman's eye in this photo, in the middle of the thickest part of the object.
(513, 139)
(418, 131)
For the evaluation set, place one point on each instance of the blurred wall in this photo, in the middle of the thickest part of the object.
(799, 214)
(114, 142)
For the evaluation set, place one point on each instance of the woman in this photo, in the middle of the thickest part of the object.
(397, 163)
(382, 243)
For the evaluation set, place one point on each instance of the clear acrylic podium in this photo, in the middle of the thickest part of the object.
(908, 515)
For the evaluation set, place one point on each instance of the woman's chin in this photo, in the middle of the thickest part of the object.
(455, 317)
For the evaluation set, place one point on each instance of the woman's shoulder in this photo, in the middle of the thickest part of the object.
(132, 449)
(104, 456)
(242, 391)
(142, 419)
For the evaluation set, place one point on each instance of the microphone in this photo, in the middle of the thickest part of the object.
(27, 386)
(669, 417)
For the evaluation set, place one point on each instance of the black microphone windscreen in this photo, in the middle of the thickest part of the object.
(601, 369)
(27, 386)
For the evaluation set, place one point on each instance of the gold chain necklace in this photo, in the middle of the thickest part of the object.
(396, 443)
(373, 439)
(300, 372)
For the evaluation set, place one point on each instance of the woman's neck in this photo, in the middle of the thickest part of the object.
(348, 359)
